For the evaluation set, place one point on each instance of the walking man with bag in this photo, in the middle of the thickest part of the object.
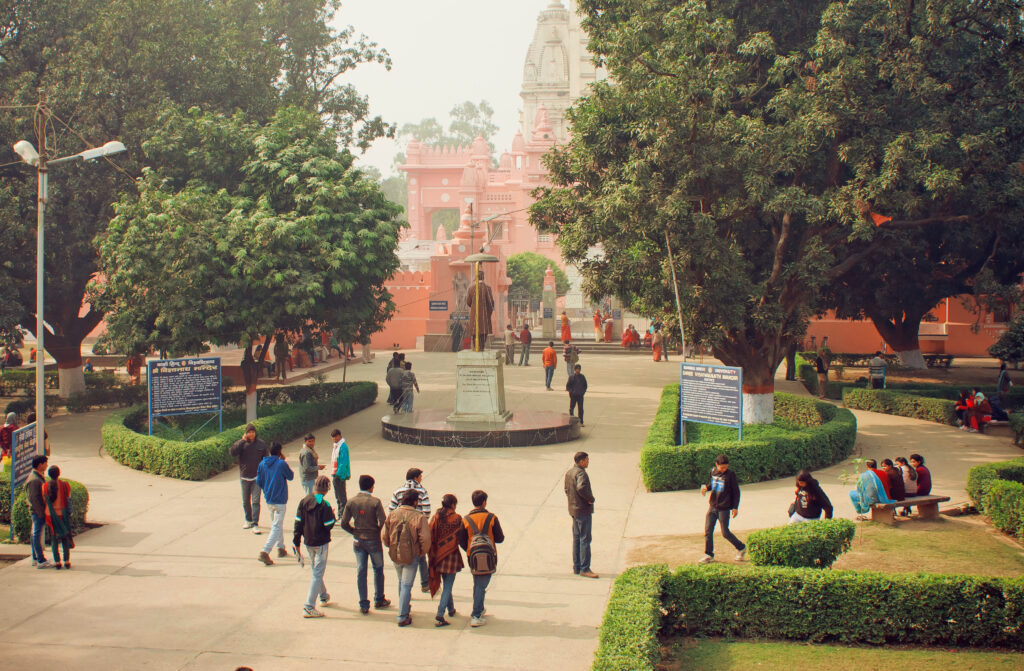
(479, 538)
(581, 509)
(407, 538)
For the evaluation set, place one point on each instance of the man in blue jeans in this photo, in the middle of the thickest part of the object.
(407, 536)
(314, 520)
(272, 477)
(363, 517)
(37, 509)
(581, 509)
(484, 522)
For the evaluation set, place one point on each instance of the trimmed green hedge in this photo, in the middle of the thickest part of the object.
(902, 404)
(205, 458)
(845, 606)
(1017, 427)
(628, 638)
(997, 490)
(22, 521)
(807, 434)
(814, 544)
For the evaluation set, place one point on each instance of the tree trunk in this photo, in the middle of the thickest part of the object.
(65, 346)
(900, 332)
(758, 361)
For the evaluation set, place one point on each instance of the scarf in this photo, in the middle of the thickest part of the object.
(444, 529)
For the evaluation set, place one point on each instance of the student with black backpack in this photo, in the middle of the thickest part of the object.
(407, 537)
(479, 536)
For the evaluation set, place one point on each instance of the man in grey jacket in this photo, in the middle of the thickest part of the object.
(581, 509)
(250, 451)
(37, 509)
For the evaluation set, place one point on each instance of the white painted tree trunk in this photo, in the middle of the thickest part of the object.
(250, 406)
(72, 381)
(758, 408)
(912, 358)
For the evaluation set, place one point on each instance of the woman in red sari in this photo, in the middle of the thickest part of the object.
(656, 344)
(57, 495)
(566, 331)
(444, 559)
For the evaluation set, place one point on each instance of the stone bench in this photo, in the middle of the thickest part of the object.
(927, 507)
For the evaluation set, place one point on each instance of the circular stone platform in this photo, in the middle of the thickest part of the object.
(525, 428)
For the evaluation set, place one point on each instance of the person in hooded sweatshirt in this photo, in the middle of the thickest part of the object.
(810, 499)
(272, 476)
(314, 521)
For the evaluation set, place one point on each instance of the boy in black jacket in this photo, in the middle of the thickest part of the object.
(313, 521)
(725, 497)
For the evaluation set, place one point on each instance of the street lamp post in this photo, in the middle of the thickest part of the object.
(28, 154)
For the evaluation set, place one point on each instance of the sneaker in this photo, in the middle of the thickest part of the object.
(265, 558)
(477, 621)
(247, 525)
(964, 427)
(451, 613)
(44, 564)
(383, 603)
(35, 563)
(741, 554)
(325, 598)
(706, 559)
(58, 566)
(311, 612)
(256, 530)
(405, 623)
(365, 610)
(67, 565)
(441, 622)
(972, 430)
(425, 589)
(588, 574)
(281, 552)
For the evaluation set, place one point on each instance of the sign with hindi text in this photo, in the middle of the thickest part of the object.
(711, 395)
(184, 386)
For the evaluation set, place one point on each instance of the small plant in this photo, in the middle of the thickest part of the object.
(815, 544)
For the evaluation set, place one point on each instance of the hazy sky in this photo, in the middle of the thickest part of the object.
(443, 52)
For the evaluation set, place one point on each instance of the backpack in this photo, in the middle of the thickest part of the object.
(482, 555)
(400, 547)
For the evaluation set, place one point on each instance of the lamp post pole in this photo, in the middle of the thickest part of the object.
(40, 328)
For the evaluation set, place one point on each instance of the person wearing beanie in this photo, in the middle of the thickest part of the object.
(250, 452)
(313, 523)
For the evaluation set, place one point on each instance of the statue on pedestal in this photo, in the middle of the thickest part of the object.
(481, 306)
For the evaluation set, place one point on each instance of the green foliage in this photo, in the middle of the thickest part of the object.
(467, 121)
(1004, 504)
(21, 521)
(203, 459)
(526, 270)
(902, 404)
(1010, 346)
(845, 606)
(275, 229)
(628, 638)
(1017, 427)
(120, 396)
(814, 544)
(807, 434)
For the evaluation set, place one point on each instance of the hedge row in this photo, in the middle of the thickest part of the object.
(22, 522)
(808, 434)
(997, 490)
(1017, 427)
(628, 638)
(846, 606)
(814, 544)
(902, 404)
(203, 459)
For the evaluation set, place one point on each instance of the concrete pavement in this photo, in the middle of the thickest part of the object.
(171, 581)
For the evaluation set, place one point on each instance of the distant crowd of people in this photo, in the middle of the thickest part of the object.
(402, 383)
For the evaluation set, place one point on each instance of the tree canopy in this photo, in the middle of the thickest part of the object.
(526, 270)
(758, 139)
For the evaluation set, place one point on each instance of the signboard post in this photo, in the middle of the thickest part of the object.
(711, 395)
(23, 449)
(184, 387)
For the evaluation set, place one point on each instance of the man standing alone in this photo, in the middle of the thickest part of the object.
(341, 468)
(581, 509)
(273, 476)
(724, 500)
(549, 357)
(577, 387)
(525, 338)
(250, 451)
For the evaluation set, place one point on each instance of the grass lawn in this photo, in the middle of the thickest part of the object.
(724, 655)
(947, 545)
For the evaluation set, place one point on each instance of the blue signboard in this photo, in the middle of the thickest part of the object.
(549, 313)
(711, 395)
(184, 387)
(23, 449)
(439, 306)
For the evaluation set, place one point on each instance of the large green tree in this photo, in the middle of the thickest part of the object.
(526, 270)
(109, 67)
(757, 138)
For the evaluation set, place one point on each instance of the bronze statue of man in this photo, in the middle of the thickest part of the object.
(481, 306)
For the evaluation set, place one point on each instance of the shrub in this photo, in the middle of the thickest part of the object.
(21, 521)
(628, 638)
(808, 434)
(1004, 504)
(205, 458)
(980, 478)
(902, 404)
(1010, 346)
(815, 544)
(106, 396)
(1017, 427)
(845, 606)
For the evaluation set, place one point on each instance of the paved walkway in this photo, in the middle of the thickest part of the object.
(171, 581)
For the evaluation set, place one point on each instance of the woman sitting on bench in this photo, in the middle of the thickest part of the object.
(870, 490)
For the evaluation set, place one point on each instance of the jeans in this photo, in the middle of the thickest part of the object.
(38, 522)
(406, 577)
(581, 528)
(276, 536)
(251, 501)
(318, 560)
(480, 583)
(524, 356)
(307, 486)
(549, 372)
(424, 572)
(340, 495)
(721, 517)
(446, 602)
(568, 368)
(576, 400)
(372, 551)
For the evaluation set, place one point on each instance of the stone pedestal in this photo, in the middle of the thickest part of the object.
(479, 388)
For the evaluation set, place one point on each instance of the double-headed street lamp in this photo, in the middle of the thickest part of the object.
(29, 155)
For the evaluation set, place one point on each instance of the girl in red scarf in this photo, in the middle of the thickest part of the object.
(444, 559)
(57, 494)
